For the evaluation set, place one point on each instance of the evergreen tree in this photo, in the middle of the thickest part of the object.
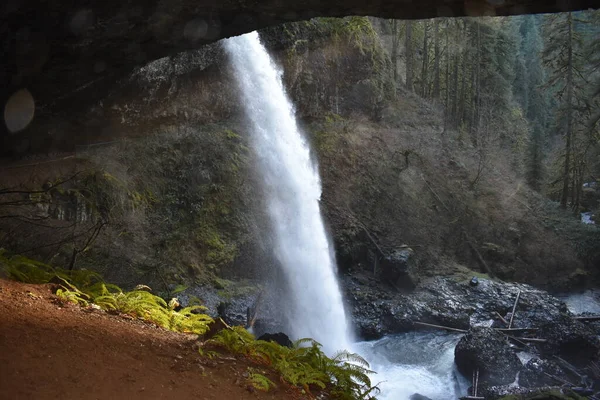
(562, 57)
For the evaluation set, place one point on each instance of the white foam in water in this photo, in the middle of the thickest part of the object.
(584, 302)
(415, 363)
(293, 190)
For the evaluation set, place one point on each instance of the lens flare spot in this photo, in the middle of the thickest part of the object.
(19, 111)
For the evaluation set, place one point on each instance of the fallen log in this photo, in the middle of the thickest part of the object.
(556, 378)
(516, 340)
(533, 340)
(501, 318)
(512, 315)
(588, 318)
(567, 365)
(478, 255)
(516, 329)
(439, 327)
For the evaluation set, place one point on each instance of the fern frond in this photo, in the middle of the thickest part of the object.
(260, 382)
(346, 356)
(306, 342)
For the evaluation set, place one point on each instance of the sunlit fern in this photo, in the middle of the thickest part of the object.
(84, 287)
(259, 381)
(304, 365)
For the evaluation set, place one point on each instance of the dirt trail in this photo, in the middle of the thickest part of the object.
(49, 350)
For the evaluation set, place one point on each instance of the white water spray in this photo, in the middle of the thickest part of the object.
(293, 189)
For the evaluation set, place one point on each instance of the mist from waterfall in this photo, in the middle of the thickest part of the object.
(292, 188)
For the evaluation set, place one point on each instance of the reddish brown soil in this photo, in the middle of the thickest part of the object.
(49, 350)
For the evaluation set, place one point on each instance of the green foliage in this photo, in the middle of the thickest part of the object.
(71, 294)
(235, 340)
(84, 287)
(230, 289)
(345, 376)
(328, 135)
(186, 320)
(259, 381)
(24, 269)
(178, 289)
(358, 31)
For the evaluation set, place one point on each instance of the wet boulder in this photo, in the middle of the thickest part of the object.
(487, 350)
(379, 309)
(549, 393)
(398, 268)
(571, 340)
(418, 396)
(520, 393)
(279, 338)
(536, 373)
(512, 392)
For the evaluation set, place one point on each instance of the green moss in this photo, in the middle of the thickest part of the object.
(464, 275)
(231, 135)
(217, 249)
(230, 289)
(327, 135)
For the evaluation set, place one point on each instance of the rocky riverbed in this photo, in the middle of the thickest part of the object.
(379, 310)
(558, 352)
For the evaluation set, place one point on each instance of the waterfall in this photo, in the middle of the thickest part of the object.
(292, 189)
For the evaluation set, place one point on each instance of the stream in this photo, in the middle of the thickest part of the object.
(583, 302)
(423, 362)
(415, 362)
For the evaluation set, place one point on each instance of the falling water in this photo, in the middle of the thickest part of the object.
(292, 189)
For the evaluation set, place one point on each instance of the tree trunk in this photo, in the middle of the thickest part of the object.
(565, 190)
(463, 85)
(424, 81)
(455, 82)
(477, 100)
(409, 56)
(395, 44)
(436, 54)
(447, 102)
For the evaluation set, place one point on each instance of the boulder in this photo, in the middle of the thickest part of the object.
(534, 373)
(519, 393)
(571, 340)
(379, 309)
(487, 350)
(550, 393)
(398, 268)
(418, 396)
(279, 338)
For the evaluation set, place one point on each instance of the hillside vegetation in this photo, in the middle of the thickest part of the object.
(436, 135)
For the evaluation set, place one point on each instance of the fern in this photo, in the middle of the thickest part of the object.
(84, 287)
(26, 270)
(346, 375)
(236, 340)
(259, 381)
(187, 321)
(70, 296)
